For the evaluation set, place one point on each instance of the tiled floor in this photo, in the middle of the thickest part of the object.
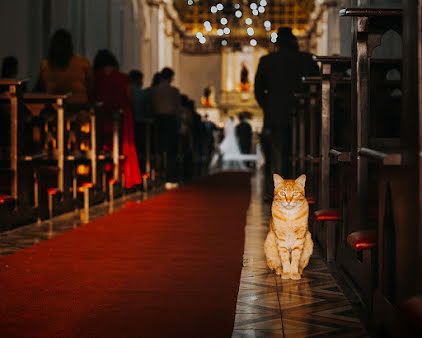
(268, 306)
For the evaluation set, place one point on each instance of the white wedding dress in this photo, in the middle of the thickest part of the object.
(228, 150)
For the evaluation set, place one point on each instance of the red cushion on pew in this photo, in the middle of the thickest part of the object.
(5, 198)
(362, 240)
(311, 200)
(327, 215)
(52, 191)
(412, 309)
(109, 167)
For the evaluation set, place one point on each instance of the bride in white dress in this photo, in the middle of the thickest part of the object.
(228, 150)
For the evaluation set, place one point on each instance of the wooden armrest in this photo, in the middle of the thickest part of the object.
(367, 12)
(384, 158)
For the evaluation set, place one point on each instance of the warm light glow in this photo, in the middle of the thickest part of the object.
(84, 146)
(253, 42)
(82, 169)
(248, 21)
(85, 128)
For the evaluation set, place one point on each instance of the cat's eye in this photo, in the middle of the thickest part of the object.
(295, 194)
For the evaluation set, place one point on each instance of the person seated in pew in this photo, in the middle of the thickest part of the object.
(112, 88)
(64, 72)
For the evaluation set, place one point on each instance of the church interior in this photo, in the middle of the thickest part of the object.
(138, 145)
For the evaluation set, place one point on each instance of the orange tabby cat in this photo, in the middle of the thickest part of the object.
(289, 245)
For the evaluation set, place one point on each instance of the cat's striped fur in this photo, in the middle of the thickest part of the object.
(289, 245)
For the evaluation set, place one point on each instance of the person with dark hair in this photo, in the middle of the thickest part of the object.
(166, 106)
(65, 72)
(112, 88)
(276, 80)
(9, 67)
(9, 70)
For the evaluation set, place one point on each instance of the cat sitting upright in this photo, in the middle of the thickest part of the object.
(289, 245)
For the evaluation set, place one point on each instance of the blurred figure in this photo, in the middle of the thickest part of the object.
(166, 106)
(244, 135)
(9, 70)
(277, 78)
(210, 128)
(65, 72)
(113, 89)
(139, 115)
(9, 67)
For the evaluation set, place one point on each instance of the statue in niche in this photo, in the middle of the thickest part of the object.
(208, 98)
(244, 79)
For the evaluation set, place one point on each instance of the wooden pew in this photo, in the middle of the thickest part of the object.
(368, 27)
(16, 206)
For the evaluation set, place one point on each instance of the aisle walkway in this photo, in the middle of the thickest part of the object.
(167, 267)
(268, 306)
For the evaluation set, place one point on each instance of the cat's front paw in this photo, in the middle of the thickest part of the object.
(295, 276)
(285, 275)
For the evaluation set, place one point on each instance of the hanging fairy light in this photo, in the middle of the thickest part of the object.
(253, 6)
(261, 9)
(226, 30)
(202, 40)
(253, 42)
(224, 42)
(238, 14)
(223, 21)
(190, 2)
(274, 37)
(213, 9)
(220, 7)
(255, 12)
(248, 21)
(250, 31)
(220, 32)
(263, 3)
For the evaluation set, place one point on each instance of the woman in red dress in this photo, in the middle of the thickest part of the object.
(112, 88)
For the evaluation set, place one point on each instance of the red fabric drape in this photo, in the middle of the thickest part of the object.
(111, 89)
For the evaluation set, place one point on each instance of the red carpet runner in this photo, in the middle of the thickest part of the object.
(167, 267)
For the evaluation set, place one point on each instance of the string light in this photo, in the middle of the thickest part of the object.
(250, 31)
(248, 21)
(238, 14)
(253, 42)
(224, 42)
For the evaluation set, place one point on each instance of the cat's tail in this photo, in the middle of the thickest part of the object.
(308, 248)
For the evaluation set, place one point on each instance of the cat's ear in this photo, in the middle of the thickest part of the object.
(300, 181)
(277, 180)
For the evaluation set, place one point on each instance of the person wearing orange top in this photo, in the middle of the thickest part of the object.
(65, 72)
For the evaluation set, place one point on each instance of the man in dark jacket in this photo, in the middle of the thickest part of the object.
(276, 81)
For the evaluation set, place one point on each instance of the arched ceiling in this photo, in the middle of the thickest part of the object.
(269, 15)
